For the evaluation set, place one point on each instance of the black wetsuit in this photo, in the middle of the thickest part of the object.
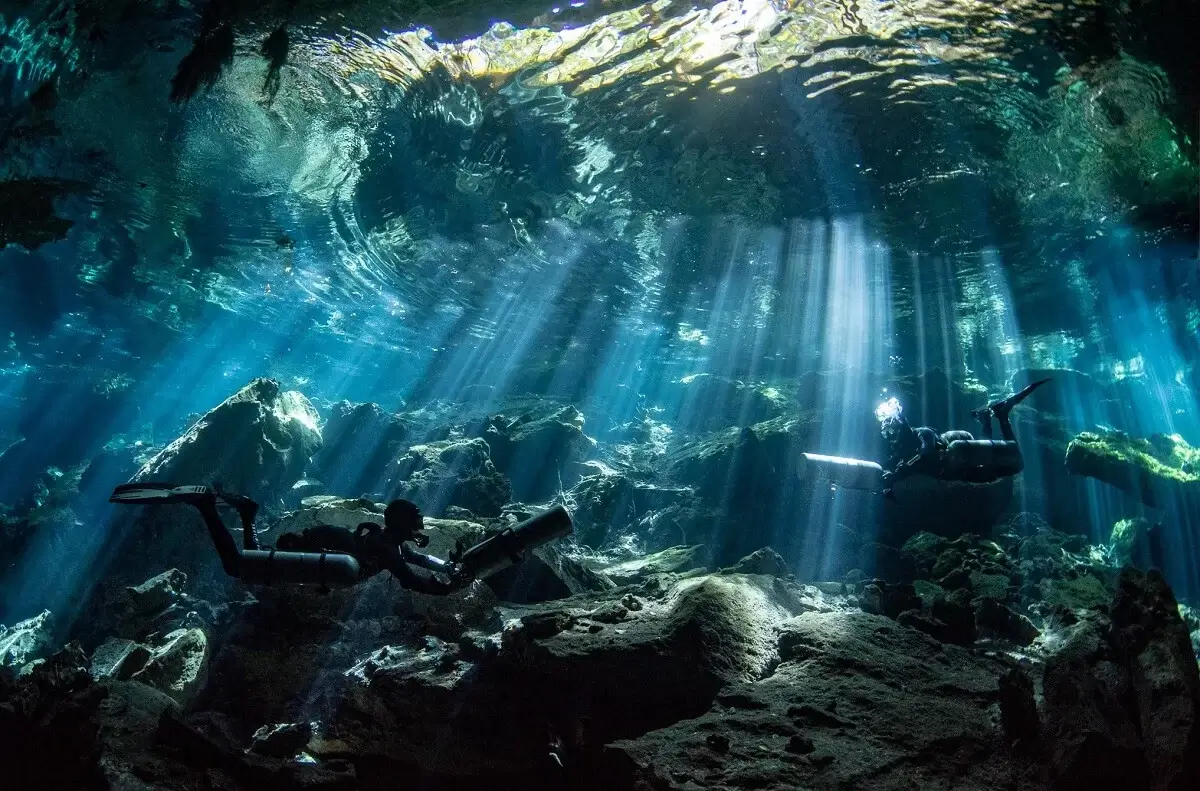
(369, 547)
(931, 448)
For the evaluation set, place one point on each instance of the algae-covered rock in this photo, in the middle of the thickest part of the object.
(257, 443)
(1158, 470)
(1082, 592)
(1136, 542)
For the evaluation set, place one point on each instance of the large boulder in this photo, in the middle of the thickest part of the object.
(1160, 470)
(620, 662)
(178, 665)
(1122, 695)
(858, 701)
(609, 504)
(947, 508)
(257, 442)
(360, 440)
(538, 453)
(456, 472)
(49, 721)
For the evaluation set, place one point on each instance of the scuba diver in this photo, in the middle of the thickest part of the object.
(327, 555)
(955, 455)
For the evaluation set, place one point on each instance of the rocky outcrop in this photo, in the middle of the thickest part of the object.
(707, 402)
(178, 665)
(359, 442)
(450, 472)
(858, 701)
(25, 641)
(668, 561)
(603, 662)
(607, 504)
(1160, 470)
(49, 721)
(257, 442)
(538, 453)
(1122, 695)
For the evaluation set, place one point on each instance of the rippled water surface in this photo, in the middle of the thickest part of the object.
(521, 175)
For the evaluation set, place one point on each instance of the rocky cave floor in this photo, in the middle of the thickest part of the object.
(1006, 654)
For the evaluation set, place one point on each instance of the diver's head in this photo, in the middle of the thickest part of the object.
(402, 521)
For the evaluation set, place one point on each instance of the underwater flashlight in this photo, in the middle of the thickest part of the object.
(888, 410)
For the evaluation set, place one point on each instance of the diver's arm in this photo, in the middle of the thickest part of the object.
(394, 561)
(421, 560)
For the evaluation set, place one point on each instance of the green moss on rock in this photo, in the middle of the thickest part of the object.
(1155, 469)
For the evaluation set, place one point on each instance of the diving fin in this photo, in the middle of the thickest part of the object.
(157, 493)
(1003, 407)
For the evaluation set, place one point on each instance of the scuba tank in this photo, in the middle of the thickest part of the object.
(841, 471)
(327, 569)
(996, 457)
(510, 545)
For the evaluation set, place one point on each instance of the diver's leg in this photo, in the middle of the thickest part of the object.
(985, 418)
(222, 540)
(1006, 429)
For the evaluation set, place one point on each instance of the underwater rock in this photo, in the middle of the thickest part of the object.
(546, 574)
(360, 440)
(1165, 678)
(874, 700)
(49, 721)
(283, 740)
(1018, 707)
(118, 658)
(257, 442)
(25, 641)
(888, 599)
(1081, 592)
(708, 402)
(673, 560)
(606, 501)
(685, 523)
(760, 561)
(1159, 470)
(178, 665)
(994, 617)
(1136, 542)
(1122, 694)
(538, 454)
(554, 667)
(450, 472)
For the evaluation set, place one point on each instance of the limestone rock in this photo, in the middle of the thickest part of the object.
(760, 561)
(668, 561)
(118, 658)
(1165, 679)
(606, 501)
(450, 472)
(858, 702)
(282, 740)
(25, 641)
(49, 723)
(257, 442)
(178, 666)
(360, 440)
(538, 453)
(556, 667)
(1159, 470)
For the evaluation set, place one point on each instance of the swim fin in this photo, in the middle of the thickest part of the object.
(1003, 407)
(157, 493)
